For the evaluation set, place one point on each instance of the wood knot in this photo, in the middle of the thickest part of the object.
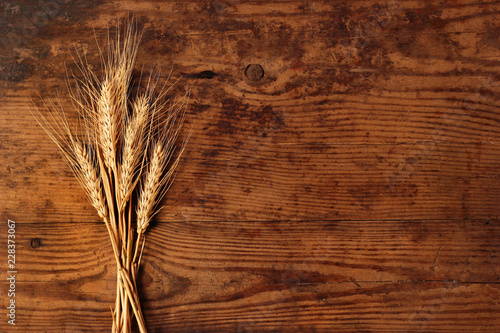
(254, 72)
(35, 243)
(201, 75)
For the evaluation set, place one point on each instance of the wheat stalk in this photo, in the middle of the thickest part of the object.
(123, 141)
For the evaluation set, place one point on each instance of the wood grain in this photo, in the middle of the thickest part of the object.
(353, 188)
(348, 276)
(288, 182)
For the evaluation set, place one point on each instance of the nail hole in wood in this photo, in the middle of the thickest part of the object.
(254, 72)
(35, 243)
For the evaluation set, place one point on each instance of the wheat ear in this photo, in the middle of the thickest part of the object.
(151, 187)
(89, 179)
(161, 169)
(133, 148)
(77, 155)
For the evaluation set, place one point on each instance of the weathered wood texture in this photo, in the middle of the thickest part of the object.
(257, 276)
(354, 187)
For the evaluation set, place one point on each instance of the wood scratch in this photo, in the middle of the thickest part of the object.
(355, 282)
(436, 258)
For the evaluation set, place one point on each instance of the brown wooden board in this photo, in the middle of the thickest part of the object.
(257, 276)
(343, 170)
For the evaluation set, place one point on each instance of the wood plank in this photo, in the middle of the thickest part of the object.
(388, 307)
(340, 86)
(350, 275)
(266, 181)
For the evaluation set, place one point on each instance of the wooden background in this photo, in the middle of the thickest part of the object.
(354, 187)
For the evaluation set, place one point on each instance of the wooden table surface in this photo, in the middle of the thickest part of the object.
(343, 172)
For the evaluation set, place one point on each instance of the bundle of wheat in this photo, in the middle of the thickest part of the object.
(122, 153)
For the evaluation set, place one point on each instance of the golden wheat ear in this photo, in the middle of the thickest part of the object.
(161, 166)
(78, 155)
